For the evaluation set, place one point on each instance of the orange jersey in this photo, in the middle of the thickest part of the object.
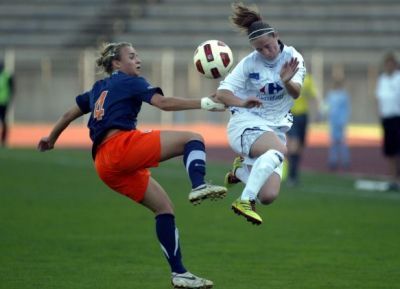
(123, 161)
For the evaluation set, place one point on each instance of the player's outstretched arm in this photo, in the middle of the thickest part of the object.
(47, 143)
(229, 99)
(177, 103)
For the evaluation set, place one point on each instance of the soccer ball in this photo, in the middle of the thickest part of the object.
(213, 59)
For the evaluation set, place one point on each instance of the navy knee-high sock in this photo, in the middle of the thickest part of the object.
(168, 237)
(194, 159)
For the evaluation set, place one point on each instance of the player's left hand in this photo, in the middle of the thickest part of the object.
(45, 144)
(210, 103)
(251, 102)
(289, 69)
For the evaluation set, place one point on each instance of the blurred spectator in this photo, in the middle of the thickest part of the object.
(6, 92)
(296, 136)
(388, 97)
(338, 105)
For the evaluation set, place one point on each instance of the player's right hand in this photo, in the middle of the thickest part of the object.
(45, 144)
(211, 104)
(289, 69)
(251, 102)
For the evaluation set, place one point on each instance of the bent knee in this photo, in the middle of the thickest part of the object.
(268, 197)
(283, 150)
(196, 136)
(164, 211)
(163, 208)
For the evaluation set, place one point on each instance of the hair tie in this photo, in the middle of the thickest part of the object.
(260, 32)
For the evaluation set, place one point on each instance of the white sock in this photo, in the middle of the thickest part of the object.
(243, 173)
(263, 167)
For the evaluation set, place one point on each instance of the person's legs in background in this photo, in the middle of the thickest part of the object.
(344, 151)
(391, 149)
(335, 144)
(296, 138)
(4, 125)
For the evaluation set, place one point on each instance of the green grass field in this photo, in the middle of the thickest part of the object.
(60, 227)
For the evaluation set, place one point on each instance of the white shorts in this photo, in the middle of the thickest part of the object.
(245, 128)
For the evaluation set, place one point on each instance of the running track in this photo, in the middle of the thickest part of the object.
(364, 144)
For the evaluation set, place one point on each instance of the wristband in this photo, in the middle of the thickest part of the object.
(208, 104)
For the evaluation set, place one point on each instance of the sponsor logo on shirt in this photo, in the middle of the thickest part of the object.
(271, 91)
(254, 75)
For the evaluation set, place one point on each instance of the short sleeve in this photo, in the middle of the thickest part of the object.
(140, 88)
(83, 101)
(235, 80)
(148, 93)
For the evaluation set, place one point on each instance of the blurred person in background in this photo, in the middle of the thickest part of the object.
(123, 155)
(388, 99)
(338, 107)
(271, 76)
(6, 93)
(296, 136)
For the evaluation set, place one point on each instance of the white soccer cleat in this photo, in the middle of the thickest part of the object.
(188, 280)
(207, 191)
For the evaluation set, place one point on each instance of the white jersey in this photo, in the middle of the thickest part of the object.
(388, 94)
(255, 76)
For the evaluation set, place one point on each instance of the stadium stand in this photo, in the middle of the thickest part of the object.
(309, 24)
(182, 24)
(62, 23)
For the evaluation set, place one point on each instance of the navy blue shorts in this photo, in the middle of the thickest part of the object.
(391, 136)
(299, 128)
(3, 111)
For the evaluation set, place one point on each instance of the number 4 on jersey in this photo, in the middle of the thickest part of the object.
(98, 106)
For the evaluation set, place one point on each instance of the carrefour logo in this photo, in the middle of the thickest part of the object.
(273, 88)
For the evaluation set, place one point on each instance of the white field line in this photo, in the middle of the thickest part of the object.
(347, 192)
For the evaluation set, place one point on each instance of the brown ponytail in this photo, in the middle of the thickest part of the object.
(249, 20)
(243, 16)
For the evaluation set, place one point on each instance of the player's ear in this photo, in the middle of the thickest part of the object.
(116, 64)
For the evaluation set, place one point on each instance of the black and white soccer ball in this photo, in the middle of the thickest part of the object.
(213, 59)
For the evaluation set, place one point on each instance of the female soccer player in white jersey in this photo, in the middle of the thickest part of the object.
(274, 74)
